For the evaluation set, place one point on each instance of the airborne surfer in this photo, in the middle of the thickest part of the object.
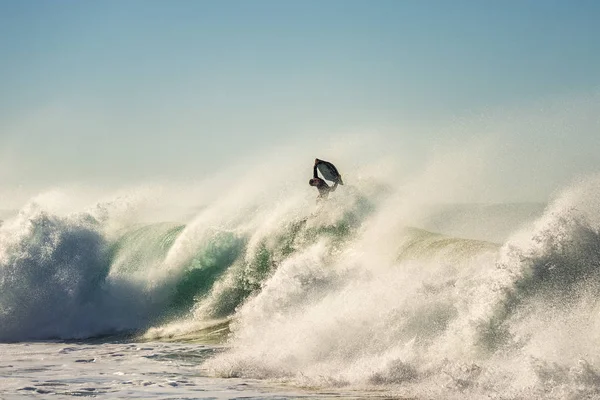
(329, 172)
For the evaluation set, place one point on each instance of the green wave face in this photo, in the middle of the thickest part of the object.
(142, 247)
(216, 257)
(248, 269)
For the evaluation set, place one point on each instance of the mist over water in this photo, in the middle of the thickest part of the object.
(409, 283)
(432, 315)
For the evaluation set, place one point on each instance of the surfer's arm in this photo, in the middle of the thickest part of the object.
(315, 174)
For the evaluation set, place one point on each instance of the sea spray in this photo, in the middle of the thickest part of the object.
(350, 292)
(446, 317)
(272, 242)
(52, 271)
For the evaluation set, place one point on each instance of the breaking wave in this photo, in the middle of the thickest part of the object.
(352, 293)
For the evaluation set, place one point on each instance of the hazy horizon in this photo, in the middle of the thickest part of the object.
(112, 93)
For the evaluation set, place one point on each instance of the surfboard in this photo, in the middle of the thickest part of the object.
(329, 172)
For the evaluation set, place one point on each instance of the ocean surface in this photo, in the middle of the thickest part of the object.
(371, 294)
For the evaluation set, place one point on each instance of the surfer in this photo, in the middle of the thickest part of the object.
(320, 184)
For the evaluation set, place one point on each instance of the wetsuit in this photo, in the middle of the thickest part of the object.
(322, 186)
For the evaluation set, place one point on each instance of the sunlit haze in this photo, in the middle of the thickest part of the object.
(115, 93)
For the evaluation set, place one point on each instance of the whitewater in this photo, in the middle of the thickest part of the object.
(233, 287)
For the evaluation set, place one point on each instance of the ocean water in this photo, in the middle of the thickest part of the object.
(124, 369)
(372, 294)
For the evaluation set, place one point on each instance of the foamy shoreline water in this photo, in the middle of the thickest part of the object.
(129, 370)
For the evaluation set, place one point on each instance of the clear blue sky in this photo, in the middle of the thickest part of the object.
(133, 87)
